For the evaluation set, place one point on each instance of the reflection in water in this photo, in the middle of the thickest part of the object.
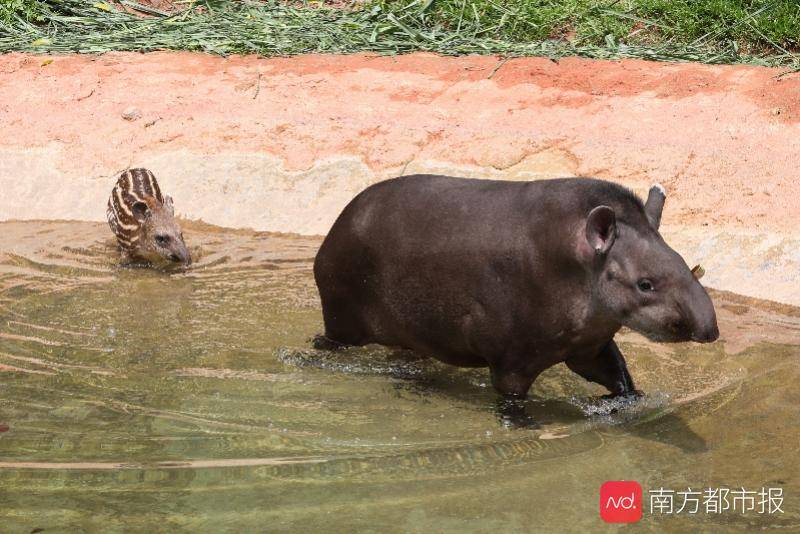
(194, 400)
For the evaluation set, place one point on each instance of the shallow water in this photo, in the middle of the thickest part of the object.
(138, 399)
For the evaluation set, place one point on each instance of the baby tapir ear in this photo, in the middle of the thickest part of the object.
(655, 205)
(141, 210)
(601, 229)
(168, 205)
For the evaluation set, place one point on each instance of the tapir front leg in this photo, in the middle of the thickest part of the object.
(607, 368)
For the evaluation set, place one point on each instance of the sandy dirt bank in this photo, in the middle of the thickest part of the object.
(282, 144)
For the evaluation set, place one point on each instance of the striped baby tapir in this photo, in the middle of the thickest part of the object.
(144, 221)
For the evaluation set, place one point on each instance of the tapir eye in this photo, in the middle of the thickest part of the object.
(645, 285)
(162, 239)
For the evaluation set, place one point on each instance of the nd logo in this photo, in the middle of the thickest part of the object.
(621, 501)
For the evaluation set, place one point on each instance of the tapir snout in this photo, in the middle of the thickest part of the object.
(703, 318)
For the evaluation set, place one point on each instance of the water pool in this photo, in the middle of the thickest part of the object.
(140, 400)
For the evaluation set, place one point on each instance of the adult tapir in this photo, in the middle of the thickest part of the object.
(516, 276)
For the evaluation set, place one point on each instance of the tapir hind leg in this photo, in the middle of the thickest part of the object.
(607, 368)
(343, 325)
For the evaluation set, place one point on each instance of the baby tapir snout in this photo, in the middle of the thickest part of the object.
(180, 254)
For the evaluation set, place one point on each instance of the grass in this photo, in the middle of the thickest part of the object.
(711, 31)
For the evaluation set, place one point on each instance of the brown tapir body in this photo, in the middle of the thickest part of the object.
(516, 276)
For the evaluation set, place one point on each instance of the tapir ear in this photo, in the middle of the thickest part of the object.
(655, 205)
(601, 229)
(168, 205)
(141, 210)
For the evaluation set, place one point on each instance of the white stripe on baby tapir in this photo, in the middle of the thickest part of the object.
(121, 203)
(154, 189)
(129, 179)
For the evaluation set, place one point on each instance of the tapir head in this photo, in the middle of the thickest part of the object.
(642, 282)
(160, 236)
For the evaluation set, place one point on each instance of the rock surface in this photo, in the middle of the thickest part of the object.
(283, 144)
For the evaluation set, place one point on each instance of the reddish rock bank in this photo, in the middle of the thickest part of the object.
(282, 144)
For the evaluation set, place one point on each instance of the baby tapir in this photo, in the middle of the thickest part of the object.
(516, 276)
(144, 221)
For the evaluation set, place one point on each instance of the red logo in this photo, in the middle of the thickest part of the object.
(621, 501)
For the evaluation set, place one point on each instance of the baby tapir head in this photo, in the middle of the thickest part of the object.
(143, 221)
(642, 282)
(160, 237)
